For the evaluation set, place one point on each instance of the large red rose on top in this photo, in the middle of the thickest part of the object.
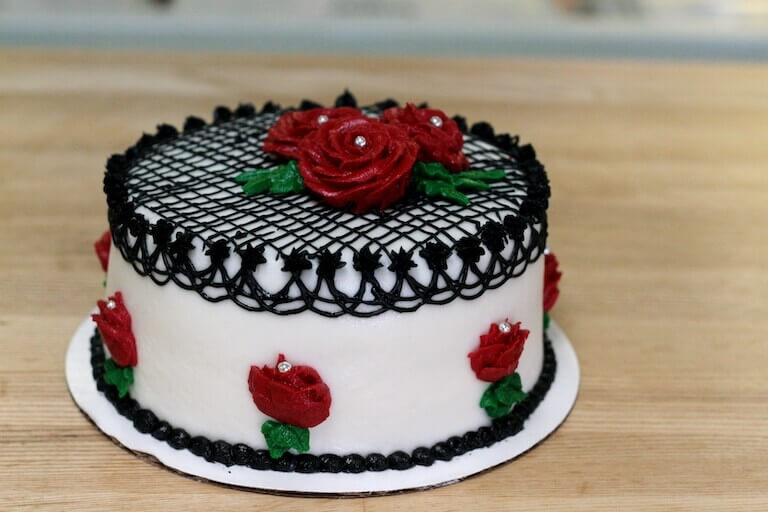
(291, 394)
(285, 136)
(114, 324)
(359, 162)
(499, 351)
(551, 277)
(437, 135)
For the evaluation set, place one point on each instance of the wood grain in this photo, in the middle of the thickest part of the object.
(659, 215)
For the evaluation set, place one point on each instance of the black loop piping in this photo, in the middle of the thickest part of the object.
(146, 422)
(175, 175)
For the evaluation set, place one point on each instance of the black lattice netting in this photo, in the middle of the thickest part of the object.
(190, 182)
(186, 182)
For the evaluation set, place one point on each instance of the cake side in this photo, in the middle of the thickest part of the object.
(208, 286)
(398, 381)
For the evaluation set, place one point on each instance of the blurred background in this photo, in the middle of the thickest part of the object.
(687, 29)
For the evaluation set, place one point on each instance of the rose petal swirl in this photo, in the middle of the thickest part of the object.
(364, 176)
(438, 142)
(290, 130)
(499, 352)
(298, 396)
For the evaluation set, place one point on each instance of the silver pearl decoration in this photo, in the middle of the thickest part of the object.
(436, 121)
(322, 118)
(504, 327)
(360, 141)
(284, 366)
(111, 304)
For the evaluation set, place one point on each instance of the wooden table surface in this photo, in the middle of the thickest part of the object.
(659, 216)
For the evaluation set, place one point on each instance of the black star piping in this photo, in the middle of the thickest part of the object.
(173, 194)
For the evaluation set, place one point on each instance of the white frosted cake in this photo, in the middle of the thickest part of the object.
(326, 290)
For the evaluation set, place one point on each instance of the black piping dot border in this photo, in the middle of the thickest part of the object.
(146, 422)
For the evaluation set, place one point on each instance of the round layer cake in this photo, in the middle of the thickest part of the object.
(262, 313)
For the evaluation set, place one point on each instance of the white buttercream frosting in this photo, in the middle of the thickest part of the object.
(398, 380)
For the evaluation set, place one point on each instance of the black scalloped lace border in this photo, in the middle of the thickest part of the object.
(146, 422)
(153, 252)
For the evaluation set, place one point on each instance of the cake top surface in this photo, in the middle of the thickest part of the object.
(177, 212)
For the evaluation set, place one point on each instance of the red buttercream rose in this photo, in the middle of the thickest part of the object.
(101, 247)
(295, 395)
(551, 277)
(287, 133)
(437, 135)
(114, 324)
(360, 162)
(499, 352)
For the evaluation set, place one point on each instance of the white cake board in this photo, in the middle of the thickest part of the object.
(550, 413)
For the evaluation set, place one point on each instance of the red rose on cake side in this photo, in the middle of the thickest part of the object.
(552, 277)
(101, 248)
(357, 161)
(114, 324)
(499, 351)
(295, 396)
(437, 135)
(495, 361)
(293, 127)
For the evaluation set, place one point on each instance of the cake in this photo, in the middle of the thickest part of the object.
(337, 290)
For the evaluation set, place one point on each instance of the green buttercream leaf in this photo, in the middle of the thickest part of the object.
(546, 321)
(434, 180)
(470, 184)
(282, 437)
(243, 177)
(489, 175)
(118, 376)
(500, 396)
(433, 171)
(445, 190)
(283, 179)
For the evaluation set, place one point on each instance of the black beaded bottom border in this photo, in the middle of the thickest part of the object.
(146, 422)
